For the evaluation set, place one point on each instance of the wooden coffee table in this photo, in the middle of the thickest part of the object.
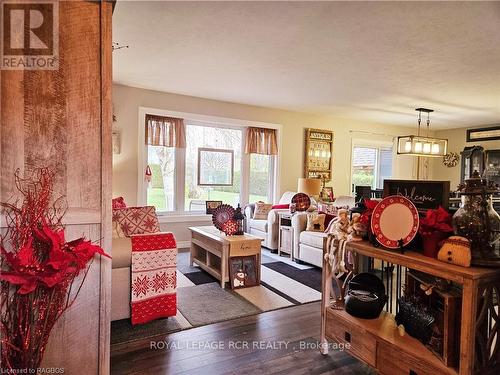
(211, 250)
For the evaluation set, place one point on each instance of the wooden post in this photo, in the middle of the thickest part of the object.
(468, 328)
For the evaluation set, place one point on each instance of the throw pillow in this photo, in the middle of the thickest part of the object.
(315, 222)
(137, 220)
(118, 203)
(281, 207)
(262, 210)
(117, 229)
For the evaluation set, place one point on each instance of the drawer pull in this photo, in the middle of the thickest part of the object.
(347, 337)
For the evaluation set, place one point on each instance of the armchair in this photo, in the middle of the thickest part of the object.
(308, 245)
(267, 229)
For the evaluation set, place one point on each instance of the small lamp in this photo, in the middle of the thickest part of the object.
(309, 186)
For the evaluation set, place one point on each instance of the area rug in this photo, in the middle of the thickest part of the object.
(310, 277)
(201, 300)
(124, 331)
(209, 303)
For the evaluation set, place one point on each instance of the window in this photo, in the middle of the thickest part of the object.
(371, 166)
(198, 136)
(175, 185)
(161, 190)
(261, 180)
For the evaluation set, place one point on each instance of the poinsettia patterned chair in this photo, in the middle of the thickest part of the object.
(144, 266)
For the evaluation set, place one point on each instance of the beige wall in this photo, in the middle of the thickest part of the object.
(456, 143)
(127, 100)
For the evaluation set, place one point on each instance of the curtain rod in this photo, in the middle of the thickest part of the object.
(372, 133)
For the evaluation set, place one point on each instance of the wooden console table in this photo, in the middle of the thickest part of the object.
(378, 343)
(211, 250)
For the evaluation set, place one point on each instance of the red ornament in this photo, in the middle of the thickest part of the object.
(230, 227)
(38, 269)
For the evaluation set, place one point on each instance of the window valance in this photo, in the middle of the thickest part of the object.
(261, 141)
(165, 131)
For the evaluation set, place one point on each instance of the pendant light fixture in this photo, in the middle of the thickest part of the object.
(419, 145)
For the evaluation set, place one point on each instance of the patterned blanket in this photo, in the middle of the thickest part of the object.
(154, 280)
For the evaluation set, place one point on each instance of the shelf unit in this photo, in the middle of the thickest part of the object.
(378, 343)
(285, 234)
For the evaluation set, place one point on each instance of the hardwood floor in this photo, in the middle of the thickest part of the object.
(277, 342)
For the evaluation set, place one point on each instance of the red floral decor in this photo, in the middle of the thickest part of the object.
(367, 214)
(38, 272)
(366, 218)
(435, 227)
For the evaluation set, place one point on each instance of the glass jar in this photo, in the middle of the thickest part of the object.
(477, 220)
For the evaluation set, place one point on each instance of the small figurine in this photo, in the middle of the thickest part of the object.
(356, 230)
(340, 225)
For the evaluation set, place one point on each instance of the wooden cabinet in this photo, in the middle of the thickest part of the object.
(377, 341)
(62, 119)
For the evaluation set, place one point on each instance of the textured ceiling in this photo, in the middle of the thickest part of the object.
(370, 61)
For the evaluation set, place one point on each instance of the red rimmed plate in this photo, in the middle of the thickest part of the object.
(395, 218)
(302, 201)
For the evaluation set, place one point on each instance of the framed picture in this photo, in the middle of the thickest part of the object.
(318, 154)
(326, 194)
(491, 133)
(211, 206)
(215, 167)
(243, 271)
(425, 195)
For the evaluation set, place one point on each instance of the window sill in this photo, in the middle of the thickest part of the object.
(183, 217)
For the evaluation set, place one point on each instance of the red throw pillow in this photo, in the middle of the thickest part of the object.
(118, 203)
(328, 218)
(281, 206)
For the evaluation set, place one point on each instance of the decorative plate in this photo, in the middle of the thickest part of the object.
(302, 201)
(395, 218)
(221, 215)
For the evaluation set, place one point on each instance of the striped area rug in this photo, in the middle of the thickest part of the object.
(201, 300)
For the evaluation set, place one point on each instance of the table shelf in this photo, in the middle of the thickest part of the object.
(384, 349)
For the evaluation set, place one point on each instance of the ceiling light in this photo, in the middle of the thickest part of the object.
(418, 145)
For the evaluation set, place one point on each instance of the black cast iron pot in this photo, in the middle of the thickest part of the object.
(365, 296)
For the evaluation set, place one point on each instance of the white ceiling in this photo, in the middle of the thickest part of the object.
(370, 61)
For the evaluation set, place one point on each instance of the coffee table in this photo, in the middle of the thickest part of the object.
(211, 250)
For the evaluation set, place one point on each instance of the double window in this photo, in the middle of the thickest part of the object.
(181, 183)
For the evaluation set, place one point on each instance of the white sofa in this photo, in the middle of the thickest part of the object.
(307, 245)
(267, 229)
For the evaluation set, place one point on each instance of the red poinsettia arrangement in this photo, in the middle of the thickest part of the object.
(37, 271)
(434, 228)
(367, 214)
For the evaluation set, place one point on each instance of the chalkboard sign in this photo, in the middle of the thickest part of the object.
(425, 195)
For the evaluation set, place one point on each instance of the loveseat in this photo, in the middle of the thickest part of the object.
(267, 229)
